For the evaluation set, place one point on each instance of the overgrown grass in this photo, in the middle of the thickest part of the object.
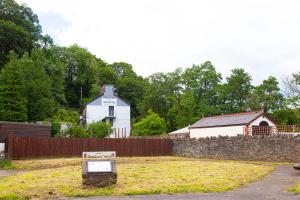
(63, 162)
(295, 188)
(6, 164)
(136, 176)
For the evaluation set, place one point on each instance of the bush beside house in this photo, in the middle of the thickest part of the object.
(151, 124)
(96, 129)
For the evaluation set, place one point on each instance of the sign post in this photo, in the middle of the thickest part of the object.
(99, 168)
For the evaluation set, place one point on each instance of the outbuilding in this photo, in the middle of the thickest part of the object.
(180, 133)
(246, 123)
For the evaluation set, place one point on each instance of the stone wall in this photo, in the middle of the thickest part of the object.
(263, 148)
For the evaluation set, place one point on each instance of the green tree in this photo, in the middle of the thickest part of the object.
(37, 84)
(66, 116)
(267, 96)
(13, 99)
(122, 70)
(187, 111)
(203, 80)
(236, 91)
(19, 29)
(81, 74)
(292, 89)
(99, 129)
(131, 89)
(77, 131)
(36, 88)
(55, 129)
(151, 124)
(287, 116)
(49, 60)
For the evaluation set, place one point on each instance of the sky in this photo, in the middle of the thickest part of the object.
(261, 36)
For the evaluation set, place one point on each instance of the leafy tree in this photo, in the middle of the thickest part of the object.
(131, 89)
(13, 99)
(292, 89)
(77, 131)
(266, 96)
(55, 69)
(19, 29)
(151, 124)
(203, 80)
(37, 84)
(106, 73)
(236, 91)
(99, 129)
(287, 116)
(80, 75)
(187, 111)
(67, 116)
(36, 88)
(55, 129)
(122, 70)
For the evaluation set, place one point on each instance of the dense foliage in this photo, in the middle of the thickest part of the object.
(41, 81)
(151, 124)
(96, 130)
(99, 129)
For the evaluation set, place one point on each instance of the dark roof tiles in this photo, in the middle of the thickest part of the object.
(227, 120)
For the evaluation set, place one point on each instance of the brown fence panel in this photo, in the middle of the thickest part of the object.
(21, 147)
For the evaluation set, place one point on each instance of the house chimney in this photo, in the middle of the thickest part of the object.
(108, 91)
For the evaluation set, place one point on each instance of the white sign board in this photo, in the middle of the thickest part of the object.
(109, 102)
(99, 166)
(99, 155)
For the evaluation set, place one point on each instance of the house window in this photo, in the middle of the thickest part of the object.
(263, 123)
(111, 121)
(111, 111)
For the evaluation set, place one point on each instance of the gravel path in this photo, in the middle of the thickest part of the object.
(272, 187)
(4, 173)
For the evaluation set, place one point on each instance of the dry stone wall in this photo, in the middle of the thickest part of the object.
(264, 148)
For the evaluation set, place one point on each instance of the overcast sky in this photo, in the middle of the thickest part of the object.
(262, 36)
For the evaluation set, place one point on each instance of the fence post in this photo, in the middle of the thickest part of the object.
(10, 145)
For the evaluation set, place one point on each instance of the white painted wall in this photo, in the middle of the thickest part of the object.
(262, 118)
(95, 113)
(122, 120)
(216, 131)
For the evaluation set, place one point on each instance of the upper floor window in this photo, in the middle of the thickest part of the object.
(111, 111)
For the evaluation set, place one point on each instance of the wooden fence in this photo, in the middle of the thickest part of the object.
(22, 147)
(273, 130)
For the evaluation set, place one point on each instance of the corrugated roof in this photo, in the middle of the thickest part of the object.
(227, 120)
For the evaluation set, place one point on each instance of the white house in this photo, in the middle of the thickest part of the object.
(109, 108)
(247, 123)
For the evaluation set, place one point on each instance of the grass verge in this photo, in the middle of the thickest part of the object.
(137, 176)
(295, 188)
(6, 164)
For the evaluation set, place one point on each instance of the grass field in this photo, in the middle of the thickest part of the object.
(55, 178)
(295, 188)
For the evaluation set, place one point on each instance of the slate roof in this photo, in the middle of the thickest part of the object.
(227, 120)
(108, 93)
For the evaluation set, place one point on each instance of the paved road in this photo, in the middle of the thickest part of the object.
(272, 187)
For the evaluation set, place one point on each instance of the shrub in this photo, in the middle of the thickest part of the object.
(99, 129)
(55, 129)
(77, 131)
(151, 124)
(5, 164)
(67, 116)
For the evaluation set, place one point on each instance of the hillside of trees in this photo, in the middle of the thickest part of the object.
(41, 81)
